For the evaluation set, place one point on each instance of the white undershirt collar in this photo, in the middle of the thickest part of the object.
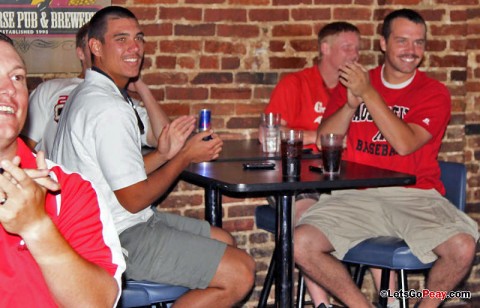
(396, 86)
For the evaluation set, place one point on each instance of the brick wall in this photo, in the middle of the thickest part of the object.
(227, 55)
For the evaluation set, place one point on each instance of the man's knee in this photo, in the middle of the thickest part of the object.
(236, 271)
(309, 240)
(460, 248)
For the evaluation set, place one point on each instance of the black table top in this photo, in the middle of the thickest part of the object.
(229, 176)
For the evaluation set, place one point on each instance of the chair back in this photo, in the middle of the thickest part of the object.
(454, 178)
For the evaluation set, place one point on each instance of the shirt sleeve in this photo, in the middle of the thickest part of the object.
(37, 116)
(337, 100)
(285, 98)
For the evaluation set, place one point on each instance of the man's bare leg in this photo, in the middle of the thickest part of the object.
(312, 255)
(455, 257)
(233, 280)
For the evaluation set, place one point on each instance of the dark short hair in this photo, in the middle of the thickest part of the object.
(409, 14)
(99, 21)
(5, 38)
(336, 28)
(81, 36)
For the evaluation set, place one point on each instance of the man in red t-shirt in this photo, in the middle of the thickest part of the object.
(394, 117)
(301, 97)
(58, 244)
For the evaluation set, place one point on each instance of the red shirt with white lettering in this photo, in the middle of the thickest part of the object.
(425, 102)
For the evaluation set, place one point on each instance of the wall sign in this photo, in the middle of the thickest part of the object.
(44, 30)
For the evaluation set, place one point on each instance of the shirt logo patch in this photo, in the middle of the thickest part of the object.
(426, 121)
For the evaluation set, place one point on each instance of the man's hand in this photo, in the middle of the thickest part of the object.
(39, 175)
(24, 208)
(199, 150)
(174, 135)
(355, 78)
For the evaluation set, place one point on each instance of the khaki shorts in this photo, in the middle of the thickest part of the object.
(172, 249)
(423, 218)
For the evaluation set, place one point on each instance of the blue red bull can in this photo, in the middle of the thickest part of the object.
(204, 120)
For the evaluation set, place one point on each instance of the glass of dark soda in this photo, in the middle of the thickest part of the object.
(291, 150)
(331, 146)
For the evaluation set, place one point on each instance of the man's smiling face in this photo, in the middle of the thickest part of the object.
(13, 93)
(121, 53)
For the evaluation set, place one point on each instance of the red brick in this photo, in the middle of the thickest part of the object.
(171, 78)
(448, 61)
(473, 29)
(473, 44)
(457, 45)
(230, 63)
(243, 122)
(250, 2)
(311, 14)
(237, 30)
(433, 14)
(204, 1)
(292, 30)
(262, 92)
(179, 46)
(212, 78)
(186, 62)
(241, 211)
(166, 62)
(180, 13)
(291, 2)
(176, 109)
(436, 45)
(195, 30)
(231, 93)
(217, 111)
(224, 47)
(458, 15)
(238, 224)
(448, 30)
(268, 15)
(174, 93)
(336, 2)
(209, 62)
(277, 46)
(154, 1)
(305, 45)
(144, 13)
(163, 29)
(458, 2)
(352, 14)
(235, 15)
(287, 62)
(250, 108)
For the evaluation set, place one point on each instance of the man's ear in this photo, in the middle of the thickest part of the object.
(324, 48)
(80, 54)
(383, 44)
(95, 46)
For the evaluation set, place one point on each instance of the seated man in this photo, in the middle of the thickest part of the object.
(58, 247)
(160, 247)
(302, 97)
(48, 99)
(394, 117)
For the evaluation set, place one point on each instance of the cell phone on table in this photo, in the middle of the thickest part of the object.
(258, 165)
(317, 169)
